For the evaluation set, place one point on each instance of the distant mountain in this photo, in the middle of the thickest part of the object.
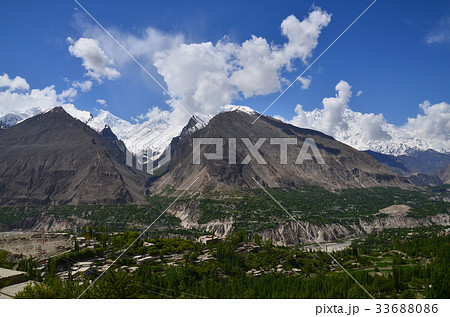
(151, 134)
(384, 138)
(9, 120)
(344, 166)
(444, 174)
(53, 158)
(422, 179)
(391, 161)
(427, 162)
(157, 134)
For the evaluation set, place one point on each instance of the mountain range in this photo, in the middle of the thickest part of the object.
(157, 134)
(67, 156)
(423, 167)
(358, 130)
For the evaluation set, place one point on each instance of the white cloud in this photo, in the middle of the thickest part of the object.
(18, 83)
(434, 124)
(205, 77)
(196, 74)
(260, 63)
(333, 108)
(441, 34)
(143, 46)
(155, 115)
(359, 93)
(258, 72)
(338, 120)
(68, 94)
(16, 97)
(17, 102)
(97, 64)
(101, 102)
(71, 93)
(84, 86)
(371, 131)
(371, 126)
(302, 119)
(213, 88)
(303, 35)
(305, 81)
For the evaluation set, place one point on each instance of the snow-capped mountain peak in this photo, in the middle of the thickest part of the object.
(201, 121)
(83, 116)
(156, 134)
(382, 137)
(244, 109)
(9, 120)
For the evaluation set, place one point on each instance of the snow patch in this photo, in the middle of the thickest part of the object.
(157, 134)
(9, 120)
(83, 116)
(244, 109)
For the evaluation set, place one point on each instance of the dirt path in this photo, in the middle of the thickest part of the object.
(31, 243)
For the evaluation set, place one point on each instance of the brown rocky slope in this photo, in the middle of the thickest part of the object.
(344, 166)
(53, 158)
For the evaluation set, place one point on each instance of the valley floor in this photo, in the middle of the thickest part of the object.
(400, 263)
(394, 242)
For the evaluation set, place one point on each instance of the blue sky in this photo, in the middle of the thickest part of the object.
(396, 54)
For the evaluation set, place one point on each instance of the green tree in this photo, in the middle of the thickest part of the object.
(4, 260)
(116, 285)
(258, 239)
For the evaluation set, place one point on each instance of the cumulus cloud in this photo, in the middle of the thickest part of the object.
(97, 64)
(337, 119)
(155, 116)
(16, 97)
(371, 126)
(303, 35)
(142, 46)
(191, 69)
(434, 123)
(260, 64)
(258, 72)
(205, 77)
(17, 83)
(371, 131)
(71, 93)
(333, 108)
(359, 93)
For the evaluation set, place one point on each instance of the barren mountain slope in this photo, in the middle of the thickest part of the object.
(53, 158)
(344, 166)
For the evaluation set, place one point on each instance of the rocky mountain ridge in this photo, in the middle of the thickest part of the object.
(343, 166)
(53, 158)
